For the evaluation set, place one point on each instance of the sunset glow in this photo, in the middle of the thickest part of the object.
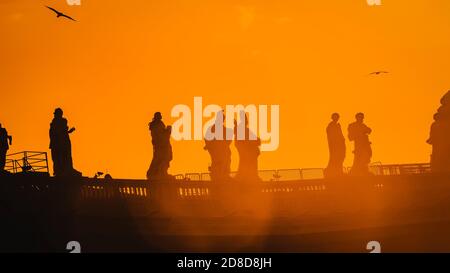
(124, 60)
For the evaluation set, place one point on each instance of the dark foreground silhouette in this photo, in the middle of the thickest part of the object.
(41, 214)
(5, 141)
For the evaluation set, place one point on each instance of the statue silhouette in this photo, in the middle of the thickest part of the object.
(359, 133)
(60, 145)
(439, 137)
(162, 149)
(336, 147)
(218, 147)
(5, 141)
(248, 149)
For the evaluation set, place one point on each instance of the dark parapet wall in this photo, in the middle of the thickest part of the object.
(42, 213)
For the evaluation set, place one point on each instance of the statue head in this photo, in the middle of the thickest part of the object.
(335, 117)
(445, 100)
(359, 117)
(58, 113)
(157, 116)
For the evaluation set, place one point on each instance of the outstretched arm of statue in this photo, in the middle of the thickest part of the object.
(71, 130)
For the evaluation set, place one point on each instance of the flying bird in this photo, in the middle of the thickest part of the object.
(379, 73)
(60, 14)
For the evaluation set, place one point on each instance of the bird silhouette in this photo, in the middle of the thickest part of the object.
(378, 72)
(60, 14)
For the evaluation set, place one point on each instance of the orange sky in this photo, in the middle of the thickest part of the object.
(124, 60)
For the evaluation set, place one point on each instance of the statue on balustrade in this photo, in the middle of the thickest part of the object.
(358, 132)
(336, 148)
(60, 145)
(248, 147)
(5, 141)
(440, 137)
(218, 147)
(162, 149)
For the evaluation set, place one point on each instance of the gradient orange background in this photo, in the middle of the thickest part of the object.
(124, 60)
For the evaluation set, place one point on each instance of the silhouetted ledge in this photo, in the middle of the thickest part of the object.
(408, 212)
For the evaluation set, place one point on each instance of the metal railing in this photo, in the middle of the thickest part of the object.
(318, 173)
(403, 169)
(30, 161)
(27, 161)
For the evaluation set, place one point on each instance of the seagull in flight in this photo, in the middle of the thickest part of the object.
(379, 73)
(60, 14)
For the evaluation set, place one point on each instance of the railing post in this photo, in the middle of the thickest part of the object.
(46, 162)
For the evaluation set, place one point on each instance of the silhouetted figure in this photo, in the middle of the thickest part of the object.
(440, 137)
(5, 141)
(359, 133)
(60, 145)
(218, 147)
(248, 149)
(336, 147)
(162, 149)
(439, 142)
